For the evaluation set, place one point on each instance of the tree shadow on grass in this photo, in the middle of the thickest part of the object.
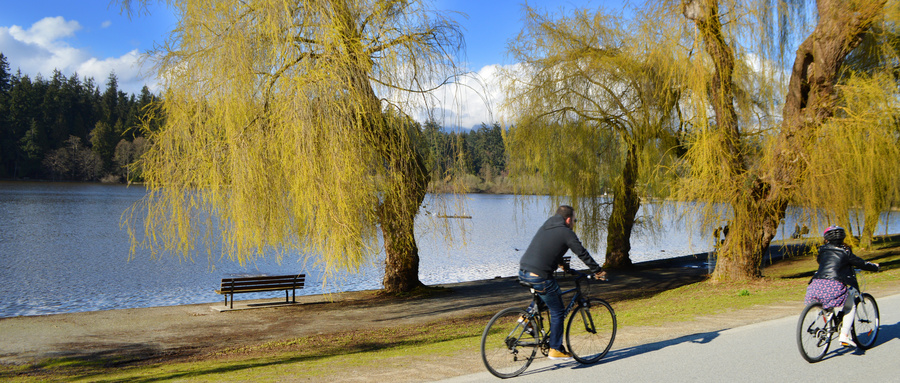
(99, 362)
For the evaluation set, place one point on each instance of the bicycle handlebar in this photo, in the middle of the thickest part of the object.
(583, 275)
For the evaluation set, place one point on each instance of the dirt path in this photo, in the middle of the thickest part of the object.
(184, 331)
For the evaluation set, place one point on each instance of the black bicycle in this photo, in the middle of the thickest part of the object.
(818, 326)
(513, 336)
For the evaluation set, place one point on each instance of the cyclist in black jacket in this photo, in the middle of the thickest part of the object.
(543, 256)
(835, 280)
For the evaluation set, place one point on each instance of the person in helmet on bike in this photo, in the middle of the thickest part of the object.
(541, 259)
(835, 280)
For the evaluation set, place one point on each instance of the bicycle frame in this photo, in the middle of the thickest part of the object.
(816, 329)
(832, 324)
(578, 298)
(509, 351)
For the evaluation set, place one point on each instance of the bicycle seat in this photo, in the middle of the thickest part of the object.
(526, 284)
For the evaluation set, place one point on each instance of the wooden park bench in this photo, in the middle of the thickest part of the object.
(231, 286)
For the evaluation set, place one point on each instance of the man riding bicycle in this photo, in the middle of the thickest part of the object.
(543, 256)
(835, 280)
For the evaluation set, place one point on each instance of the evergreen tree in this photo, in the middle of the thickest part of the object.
(38, 117)
(488, 152)
(103, 142)
(5, 128)
(4, 75)
(55, 111)
(80, 113)
(20, 113)
(109, 130)
(109, 104)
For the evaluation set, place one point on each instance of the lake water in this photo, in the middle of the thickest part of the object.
(62, 250)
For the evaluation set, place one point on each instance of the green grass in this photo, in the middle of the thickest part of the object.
(317, 358)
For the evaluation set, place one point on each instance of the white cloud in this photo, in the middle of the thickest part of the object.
(106, 24)
(470, 101)
(42, 48)
(46, 31)
(126, 68)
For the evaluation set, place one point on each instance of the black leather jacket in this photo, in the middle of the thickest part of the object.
(837, 263)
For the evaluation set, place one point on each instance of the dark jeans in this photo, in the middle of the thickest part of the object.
(548, 290)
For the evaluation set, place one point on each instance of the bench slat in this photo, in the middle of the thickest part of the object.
(249, 290)
(266, 278)
(264, 283)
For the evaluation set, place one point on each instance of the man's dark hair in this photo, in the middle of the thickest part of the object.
(565, 211)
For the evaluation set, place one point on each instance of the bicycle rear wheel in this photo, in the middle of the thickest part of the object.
(813, 337)
(591, 331)
(865, 325)
(508, 345)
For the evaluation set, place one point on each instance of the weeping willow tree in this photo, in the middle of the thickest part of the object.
(595, 106)
(862, 174)
(724, 164)
(286, 130)
(860, 171)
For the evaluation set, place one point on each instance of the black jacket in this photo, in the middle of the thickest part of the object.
(837, 263)
(548, 246)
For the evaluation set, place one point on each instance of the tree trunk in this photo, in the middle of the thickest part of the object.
(401, 263)
(810, 103)
(626, 203)
(405, 177)
(867, 233)
(750, 233)
(398, 217)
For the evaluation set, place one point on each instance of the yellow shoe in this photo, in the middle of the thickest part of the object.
(559, 355)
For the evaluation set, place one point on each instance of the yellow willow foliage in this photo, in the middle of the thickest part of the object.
(592, 94)
(854, 165)
(761, 35)
(284, 126)
(750, 163)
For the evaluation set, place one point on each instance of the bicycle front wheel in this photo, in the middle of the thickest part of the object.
(813, 337)
(509, 344)
(591, 330)
(865, 325)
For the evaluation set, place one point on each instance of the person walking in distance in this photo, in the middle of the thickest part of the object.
(545, 253)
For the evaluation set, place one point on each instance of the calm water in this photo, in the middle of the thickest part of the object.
(62, 250)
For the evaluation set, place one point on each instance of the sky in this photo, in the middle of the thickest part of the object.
(93, 39)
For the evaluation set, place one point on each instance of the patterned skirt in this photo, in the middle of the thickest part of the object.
(829, 292)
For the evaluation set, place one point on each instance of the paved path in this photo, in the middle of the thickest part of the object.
(761, 352)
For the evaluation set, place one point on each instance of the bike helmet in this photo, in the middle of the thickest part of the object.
(834, 234)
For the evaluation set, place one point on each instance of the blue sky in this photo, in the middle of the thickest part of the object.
(92, 38)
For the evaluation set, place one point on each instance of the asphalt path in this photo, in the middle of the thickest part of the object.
(761, 352)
